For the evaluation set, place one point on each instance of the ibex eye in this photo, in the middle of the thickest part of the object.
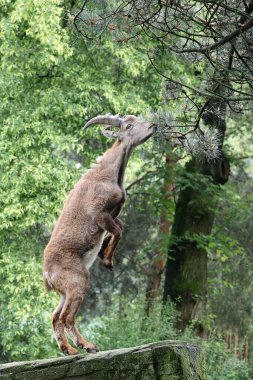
(129, 126)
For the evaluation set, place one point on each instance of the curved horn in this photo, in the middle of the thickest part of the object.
(108, 119)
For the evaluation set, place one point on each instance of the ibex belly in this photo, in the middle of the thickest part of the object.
(90, 256)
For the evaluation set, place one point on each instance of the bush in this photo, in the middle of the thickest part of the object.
(221, 364)
(125, 324)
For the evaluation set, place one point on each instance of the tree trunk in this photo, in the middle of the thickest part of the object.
(159, 259)
(186, 268)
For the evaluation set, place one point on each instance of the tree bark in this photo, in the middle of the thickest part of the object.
(158, 263)
(186, 268)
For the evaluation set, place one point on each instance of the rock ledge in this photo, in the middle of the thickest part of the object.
(166, 360)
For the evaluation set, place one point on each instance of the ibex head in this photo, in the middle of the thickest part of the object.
(131, 130)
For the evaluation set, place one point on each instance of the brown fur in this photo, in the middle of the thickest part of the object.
(88, 225)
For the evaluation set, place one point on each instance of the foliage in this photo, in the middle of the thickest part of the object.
(229, 250)
(25, 318)
(125, 324)
(221, 364)
(34, 172)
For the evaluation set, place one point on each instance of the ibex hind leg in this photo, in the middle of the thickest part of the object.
(68, 314)
(59, 332)
(71, 279)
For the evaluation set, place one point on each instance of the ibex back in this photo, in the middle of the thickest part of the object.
(89, 226)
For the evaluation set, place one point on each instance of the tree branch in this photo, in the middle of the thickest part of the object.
(220, 43)
(137, 180)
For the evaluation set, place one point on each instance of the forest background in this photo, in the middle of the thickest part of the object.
(183, 269)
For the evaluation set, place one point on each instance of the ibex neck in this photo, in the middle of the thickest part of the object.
(111, 166)
(117, 157)
(126, 152)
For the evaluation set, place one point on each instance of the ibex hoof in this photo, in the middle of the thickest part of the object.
(70, 351)
(101, 255)
(108, 264)
(93, 350)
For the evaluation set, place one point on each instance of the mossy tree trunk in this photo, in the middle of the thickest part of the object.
(186, 268)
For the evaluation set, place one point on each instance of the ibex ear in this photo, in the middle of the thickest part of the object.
(110, 134)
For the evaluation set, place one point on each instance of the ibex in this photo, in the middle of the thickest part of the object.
(88, 226)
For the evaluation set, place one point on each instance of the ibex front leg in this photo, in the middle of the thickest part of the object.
(114, 227)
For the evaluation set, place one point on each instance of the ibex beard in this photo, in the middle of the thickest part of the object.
(88, 226)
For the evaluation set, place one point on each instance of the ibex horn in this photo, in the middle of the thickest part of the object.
(114, 121)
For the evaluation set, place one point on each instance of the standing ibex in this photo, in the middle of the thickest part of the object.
(88, 226)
